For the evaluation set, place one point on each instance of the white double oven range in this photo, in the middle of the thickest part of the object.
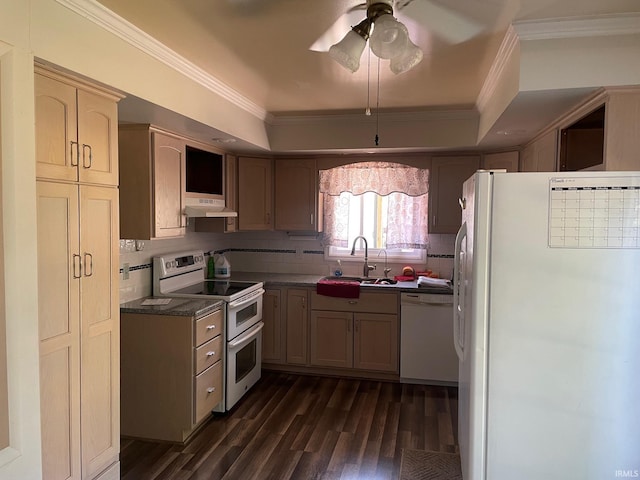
(183, 275)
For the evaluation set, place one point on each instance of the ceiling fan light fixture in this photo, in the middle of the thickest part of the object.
(347, 52)
(408, 59)
(389, 37)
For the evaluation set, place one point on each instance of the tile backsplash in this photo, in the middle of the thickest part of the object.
(271, 252)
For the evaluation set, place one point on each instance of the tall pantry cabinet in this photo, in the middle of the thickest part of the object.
(78, 306)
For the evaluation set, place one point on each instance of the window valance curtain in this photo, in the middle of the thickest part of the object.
(382, 178)
(405, 187)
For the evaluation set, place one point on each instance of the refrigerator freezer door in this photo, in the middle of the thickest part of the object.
(473, 300)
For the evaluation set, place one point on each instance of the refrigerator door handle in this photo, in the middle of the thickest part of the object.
(458, 298)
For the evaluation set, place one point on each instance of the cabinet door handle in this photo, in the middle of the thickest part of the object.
(183, 224)
(211, 389)
(77, 266)
(311, 219)
(210, 354)
(84, 157)
(357, 325)
(211, 327)
(77, 154)
(88, 265)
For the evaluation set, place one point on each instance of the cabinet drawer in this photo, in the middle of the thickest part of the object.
(209, 327)
(208, 354)
(368, 302)
(208, 391)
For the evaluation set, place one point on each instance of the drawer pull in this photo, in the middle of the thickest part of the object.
(352, 302)
(210, 354)
(211, 327)
(211, 389)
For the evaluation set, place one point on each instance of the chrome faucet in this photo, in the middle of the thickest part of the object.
(366, 268)
(386, 269)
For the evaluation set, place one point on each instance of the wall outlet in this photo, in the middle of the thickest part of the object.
(125, 271)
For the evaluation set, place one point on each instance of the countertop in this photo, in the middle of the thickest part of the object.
(302, 280)
(187, 307)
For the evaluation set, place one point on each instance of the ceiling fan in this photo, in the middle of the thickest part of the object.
(389, 38)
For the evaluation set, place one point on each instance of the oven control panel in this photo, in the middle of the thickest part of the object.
(167, 266)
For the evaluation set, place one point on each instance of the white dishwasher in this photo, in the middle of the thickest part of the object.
(427, 354)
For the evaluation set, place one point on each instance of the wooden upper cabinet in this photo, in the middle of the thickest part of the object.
(255, 193)
(231, 191)
(540, 156)
(296, 195)
(447, 176)
(76, 131)
(501, 161)
(168, 186)
(152, 183)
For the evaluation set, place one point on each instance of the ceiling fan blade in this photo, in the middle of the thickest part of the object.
(441, 21)
(339, 29)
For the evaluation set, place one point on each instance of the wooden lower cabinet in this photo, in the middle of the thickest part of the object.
(272, 345)
(362, 341)
(375, 345)
(172, 369)
(297, 329)
(360, 335)
(332, 339)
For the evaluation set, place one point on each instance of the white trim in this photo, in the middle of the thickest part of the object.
(588, 26)
(361, 118)
(507, 47)
(105, 18)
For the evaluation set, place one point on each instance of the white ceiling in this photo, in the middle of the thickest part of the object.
(260, 49)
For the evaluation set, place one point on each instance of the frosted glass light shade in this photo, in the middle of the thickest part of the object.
(347, 52)
(389, 37)
(408, 59)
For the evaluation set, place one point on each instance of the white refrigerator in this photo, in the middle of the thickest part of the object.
(547, 326)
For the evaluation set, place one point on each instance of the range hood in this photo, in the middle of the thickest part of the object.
(207, 208)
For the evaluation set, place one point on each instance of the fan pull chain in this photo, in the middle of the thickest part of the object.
(378, 106)
(368, 110)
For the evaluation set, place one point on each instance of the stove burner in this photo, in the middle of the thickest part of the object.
(222, 288)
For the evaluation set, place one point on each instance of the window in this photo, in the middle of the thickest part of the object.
(384, 202)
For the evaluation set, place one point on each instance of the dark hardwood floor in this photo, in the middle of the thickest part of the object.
(304, 427)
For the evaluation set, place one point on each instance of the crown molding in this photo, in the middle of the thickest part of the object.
(388, 117)
(507, 48)
(588, 26)
(118, 26)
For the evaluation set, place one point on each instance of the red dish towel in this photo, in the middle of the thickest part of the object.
(338, 288)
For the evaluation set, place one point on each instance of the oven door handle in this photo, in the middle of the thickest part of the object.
(245, 300)
(239, 342)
